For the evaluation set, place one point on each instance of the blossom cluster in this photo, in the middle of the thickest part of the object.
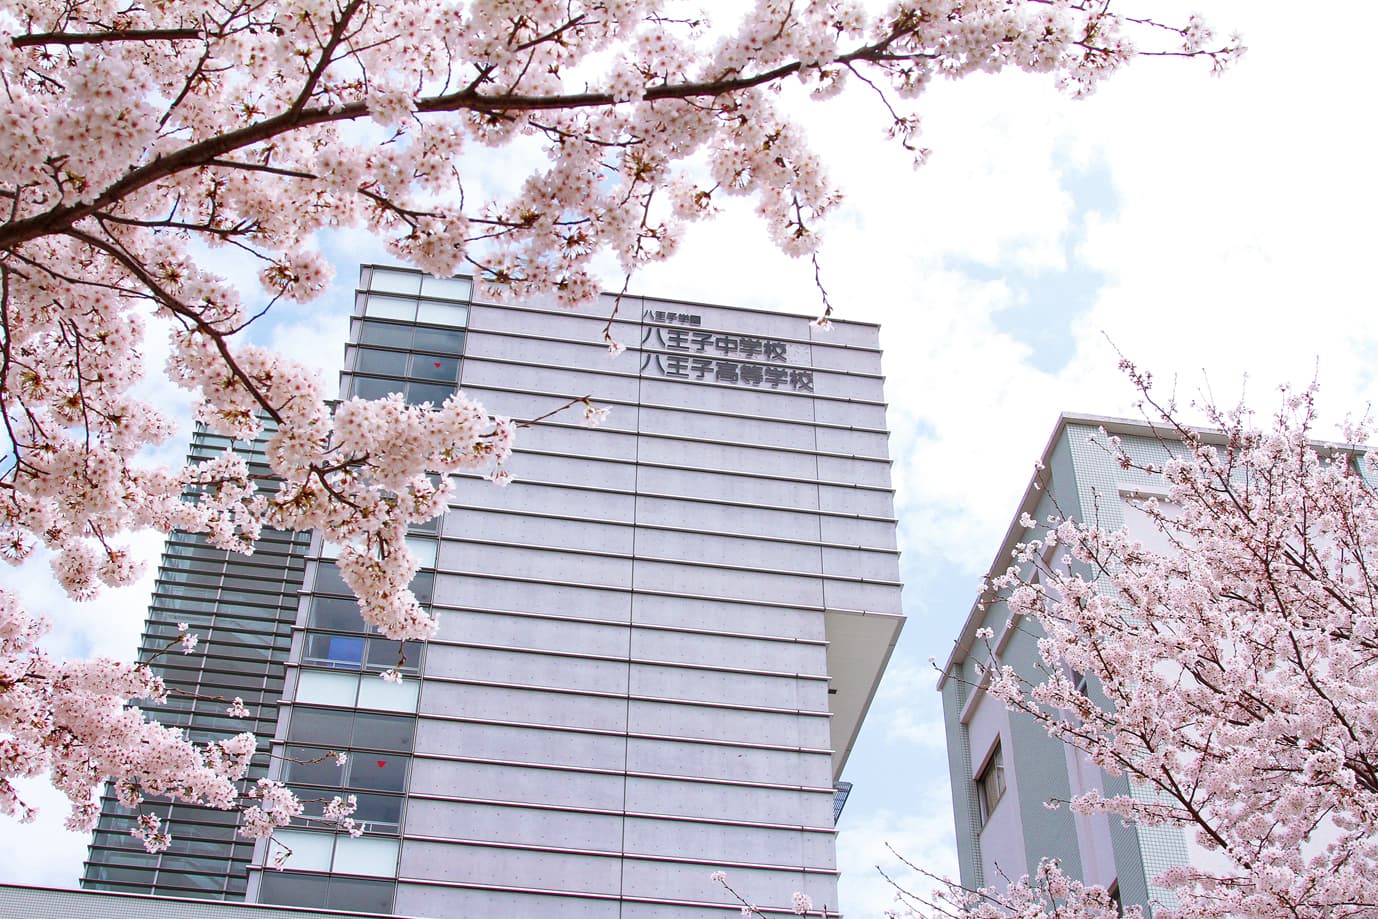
(1233, 680)
(135, 135)
(73, 721)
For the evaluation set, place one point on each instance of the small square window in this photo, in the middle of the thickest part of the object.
(990, 784)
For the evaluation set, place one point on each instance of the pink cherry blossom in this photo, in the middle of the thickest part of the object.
(1234, 679)
(136, 135)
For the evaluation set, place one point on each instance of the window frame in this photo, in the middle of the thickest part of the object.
(990, 776)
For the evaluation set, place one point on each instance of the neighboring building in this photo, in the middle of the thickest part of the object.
(1003, 766)
(656, 645)
(243, 609)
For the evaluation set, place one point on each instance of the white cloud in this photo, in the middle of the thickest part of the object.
(918, 829)
(911, 710)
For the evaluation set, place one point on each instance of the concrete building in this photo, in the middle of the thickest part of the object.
(1003, 766)
(656, 645)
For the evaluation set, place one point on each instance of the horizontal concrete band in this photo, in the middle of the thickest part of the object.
(570, 729)
(607, 812)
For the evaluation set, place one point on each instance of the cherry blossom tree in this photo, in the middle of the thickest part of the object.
(138, 135)
(1233, 678)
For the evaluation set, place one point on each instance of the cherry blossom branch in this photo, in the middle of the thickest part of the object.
(90, 38)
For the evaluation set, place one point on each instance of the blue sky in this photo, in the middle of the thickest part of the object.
(1213, 229)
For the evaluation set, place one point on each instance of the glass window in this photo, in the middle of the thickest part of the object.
(335, 650)
(447, 288)
(329, 581)
(446, 341)
(451, 314)
(385, 334)
(129, 859)
(423, 549)
(390, 308)
(284, 889)
(390, 654)
(435, 367)
(378, 813)
(310, 851)
(369, 388)
(355, 895)
(423, 585)
(376, 692)
(191, 881)
(395, 281)
(431, 526)
(366, 855)
(991, 783)
(383, 732)
(188, 863)
(378, 771)
(317, 726)
(321, 687)
(312, 766)
(388, 363)
(434, 393)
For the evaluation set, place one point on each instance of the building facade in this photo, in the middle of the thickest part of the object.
(656, 645)
(1003, 766)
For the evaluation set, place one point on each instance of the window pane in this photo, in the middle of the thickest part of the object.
(435, 367)
(423, 585)
(335, 650)
(431, 526)
(329, 581)
(390, 363)
(447, 341)
(423, 549)
(376, 692)
(310, 851)
(434, 393)
(383, 333)
(401, 282)
(293, 890)
(378, 813)
(388, 654)
(366, 388)
(302, 770)
(378, 771)
(451, 314)
(318, 726)
(336, 613)
(446, 288)
(325, 688)
(195, 881)
(354, 895)
(391, 308)
(366, 855)
(383, 732)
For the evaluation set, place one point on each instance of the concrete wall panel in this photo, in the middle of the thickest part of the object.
(519, 745)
